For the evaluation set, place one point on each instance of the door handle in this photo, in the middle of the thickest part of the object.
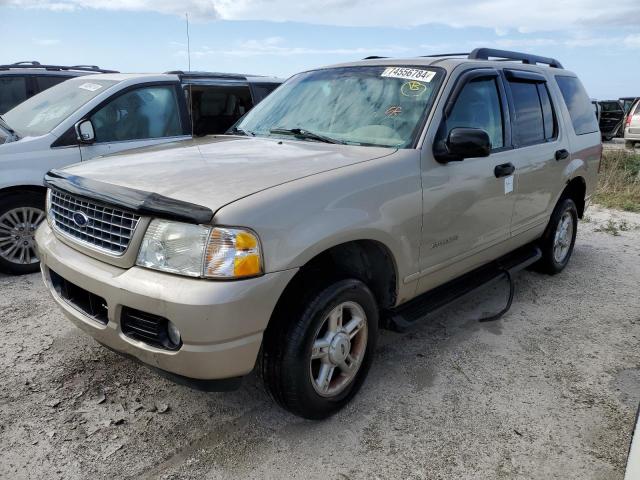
(504, 170)
(562, 154)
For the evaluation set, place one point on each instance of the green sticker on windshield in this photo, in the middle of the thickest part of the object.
(413, 89)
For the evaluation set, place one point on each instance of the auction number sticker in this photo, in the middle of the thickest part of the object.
(409, 73)
(92, 87)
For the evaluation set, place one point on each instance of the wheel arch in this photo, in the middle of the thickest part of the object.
(369, 261)
(22, 188)
(576, 189)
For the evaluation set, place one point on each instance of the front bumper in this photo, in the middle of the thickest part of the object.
(221, 323)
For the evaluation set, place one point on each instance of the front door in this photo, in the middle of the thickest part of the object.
(467, 205)
(146, 115)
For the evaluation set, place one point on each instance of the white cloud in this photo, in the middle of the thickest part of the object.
(46, 42)
(500, 15)
(277, 46)
(632, 41)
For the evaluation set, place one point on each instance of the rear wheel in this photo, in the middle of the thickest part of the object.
(559, 239)
(20, 215)
(315, 360)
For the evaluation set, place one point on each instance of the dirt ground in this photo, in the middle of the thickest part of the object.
(548, 391)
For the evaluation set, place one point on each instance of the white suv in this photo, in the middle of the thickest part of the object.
(87, 117)
(632, 126)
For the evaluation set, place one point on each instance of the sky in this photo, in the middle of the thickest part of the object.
(282, 37)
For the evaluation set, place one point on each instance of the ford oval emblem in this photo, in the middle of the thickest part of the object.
(80, 219)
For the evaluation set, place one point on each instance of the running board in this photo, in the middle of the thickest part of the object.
(406, 316)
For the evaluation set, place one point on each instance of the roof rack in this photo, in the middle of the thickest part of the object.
(37, 65)
(373, 57)
(486, 53)
(446, 55)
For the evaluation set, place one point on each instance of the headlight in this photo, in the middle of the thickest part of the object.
(200, 251)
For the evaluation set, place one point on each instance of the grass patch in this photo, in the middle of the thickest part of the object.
(619, 183)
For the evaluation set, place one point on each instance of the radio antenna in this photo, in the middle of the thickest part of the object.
(188, 42)
(190, 104)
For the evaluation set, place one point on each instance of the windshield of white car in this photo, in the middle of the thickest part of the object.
(43, 112)
(378, 105)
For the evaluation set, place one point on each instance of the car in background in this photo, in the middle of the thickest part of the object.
(84, 118)
(627, 102)
(22, 80)
(632, 126)
(611, 120)
(596, 108)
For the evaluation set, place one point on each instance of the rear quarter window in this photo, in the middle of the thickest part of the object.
(578, 103)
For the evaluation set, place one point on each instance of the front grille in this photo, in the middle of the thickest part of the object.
(98, 226)
(146, 327)
(89, 303)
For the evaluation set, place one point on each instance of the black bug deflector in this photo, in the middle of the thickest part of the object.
(138, 201)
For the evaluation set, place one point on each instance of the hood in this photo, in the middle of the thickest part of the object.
(214, 171)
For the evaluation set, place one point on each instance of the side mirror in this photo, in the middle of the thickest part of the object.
(85, 132)
(464, 143)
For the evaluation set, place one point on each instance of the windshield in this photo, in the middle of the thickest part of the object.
(43, 112)
(381, 106)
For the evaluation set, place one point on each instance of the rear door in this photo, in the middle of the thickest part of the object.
(541, 148)
(611, 118)
(139, 116)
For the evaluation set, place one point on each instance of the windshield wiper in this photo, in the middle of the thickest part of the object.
(240, 131)
(302, 133)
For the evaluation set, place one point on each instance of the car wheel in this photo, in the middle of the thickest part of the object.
(560, 237)
(317, 357)
(628, 144)
(20, 215)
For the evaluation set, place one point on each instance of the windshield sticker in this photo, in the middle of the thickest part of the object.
(92, 87)
(409, 73)
(413, 89)
(393, 111)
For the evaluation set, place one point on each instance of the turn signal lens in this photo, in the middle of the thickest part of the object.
(232, 253)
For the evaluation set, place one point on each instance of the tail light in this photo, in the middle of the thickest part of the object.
(628, 122)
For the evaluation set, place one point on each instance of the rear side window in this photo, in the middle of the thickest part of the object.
(578, 104)
(261, 90)
(528, 122)
(47, 82)
(534, 119)
(611, 107)
(13, 90)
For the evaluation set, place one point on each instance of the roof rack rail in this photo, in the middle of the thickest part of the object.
(446, 55)
(373, 57)
(486, 53)
(37, 65)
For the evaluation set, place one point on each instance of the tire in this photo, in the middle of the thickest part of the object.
(628, 144)
(290, 375)
(20, 215)
(557, 247)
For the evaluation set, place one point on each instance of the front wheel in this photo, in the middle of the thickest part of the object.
(318, 355)
(560, 237)
(20, 215)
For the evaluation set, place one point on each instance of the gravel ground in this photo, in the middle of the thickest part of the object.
(548, 391)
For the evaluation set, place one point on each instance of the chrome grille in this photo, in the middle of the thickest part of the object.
(100, 227)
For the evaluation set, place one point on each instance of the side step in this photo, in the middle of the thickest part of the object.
(406, 316)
